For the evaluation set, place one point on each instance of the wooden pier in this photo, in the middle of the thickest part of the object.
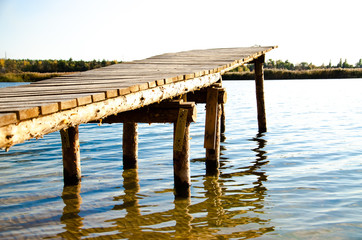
(163, 88)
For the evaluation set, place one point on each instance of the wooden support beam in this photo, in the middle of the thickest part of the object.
(157, 113)
(181, 152)
(71, 156)
(201, 96)
(259, 85)
(130, 145)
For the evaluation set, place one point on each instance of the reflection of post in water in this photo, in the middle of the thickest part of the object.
(235, 205)
(260, 158)
(215, 210)
(129, 226)
(73, 222)
(182, 217)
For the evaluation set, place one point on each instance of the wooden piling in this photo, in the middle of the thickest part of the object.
(259, 85)
(130, 145)
(213, 155)
(223, 119)
(211, 118)
(71, 156)
(181, 152)
(212, 130)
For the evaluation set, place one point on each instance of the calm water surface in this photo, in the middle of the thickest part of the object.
(300, 180)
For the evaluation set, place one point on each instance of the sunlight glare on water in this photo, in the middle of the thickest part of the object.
(300, 180)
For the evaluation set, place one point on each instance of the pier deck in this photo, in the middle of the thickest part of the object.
(33, 110)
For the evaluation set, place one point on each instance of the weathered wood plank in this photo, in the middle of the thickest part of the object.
(7, 118)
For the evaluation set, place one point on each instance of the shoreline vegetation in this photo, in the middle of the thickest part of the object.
(274, 74)
(25, 70)
(29, 76)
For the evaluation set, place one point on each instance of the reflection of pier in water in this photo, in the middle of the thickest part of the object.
(235, 212)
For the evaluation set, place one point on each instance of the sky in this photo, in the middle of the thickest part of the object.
(317, 31)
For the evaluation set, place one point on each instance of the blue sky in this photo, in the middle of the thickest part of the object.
(313, 31)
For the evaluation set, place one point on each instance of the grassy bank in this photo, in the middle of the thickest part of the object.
(298, 74)
(27, 76)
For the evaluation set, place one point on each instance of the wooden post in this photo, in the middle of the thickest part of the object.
(71, 156)
(223, 119)
(130, 145)
(212, 131)
(181, 152)
(259, 85)
(213, 155)
(211, 118)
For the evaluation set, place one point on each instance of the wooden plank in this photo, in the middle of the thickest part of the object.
(160, 82)
(98, 97)
(124, 91)
(49, 108)
(64, 105)
(134, 88)
(84, 100)
(7, 118)
(27, 113)
(111, 93)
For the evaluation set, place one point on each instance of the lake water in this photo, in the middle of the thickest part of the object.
(300, 180)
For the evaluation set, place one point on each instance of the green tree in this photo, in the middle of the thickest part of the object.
(359, 64)
(330, 64)
(269, 64)
(346, 64)
(10, 65)
(340, 64)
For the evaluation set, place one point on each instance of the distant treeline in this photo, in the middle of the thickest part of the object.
(50, 66)
(279, 64)
(331, 73)
(286, 70)
(286, 65)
